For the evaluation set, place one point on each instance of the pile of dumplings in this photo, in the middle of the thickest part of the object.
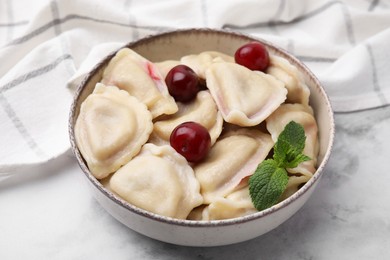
(124, 126)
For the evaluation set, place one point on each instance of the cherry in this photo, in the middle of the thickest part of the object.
(252, 55)
(182, 83)
(191, 140)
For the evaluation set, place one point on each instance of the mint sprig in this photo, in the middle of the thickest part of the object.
(270, 179)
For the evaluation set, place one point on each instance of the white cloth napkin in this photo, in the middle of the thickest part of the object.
(45, 44)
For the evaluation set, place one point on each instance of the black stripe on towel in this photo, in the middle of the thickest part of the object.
(34, 73)
(20, 126)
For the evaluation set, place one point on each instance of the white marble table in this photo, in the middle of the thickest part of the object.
(50, 214)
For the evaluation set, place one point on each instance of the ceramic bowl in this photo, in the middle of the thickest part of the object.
(173, 45)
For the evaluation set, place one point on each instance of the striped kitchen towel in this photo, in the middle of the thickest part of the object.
(45, 43)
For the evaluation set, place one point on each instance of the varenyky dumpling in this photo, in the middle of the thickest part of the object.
(159, 180)
(231, 159)
(293, 185)
(138, 76)
(244, 97)
(202, 110)
(302, 115)
(236, 204)
(283, 70)
(200, 62)
(111, 128)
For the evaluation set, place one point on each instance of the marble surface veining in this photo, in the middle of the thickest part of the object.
(49, 213)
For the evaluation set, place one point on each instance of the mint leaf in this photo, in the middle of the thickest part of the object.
(267, 184)
(297, 160)
(289, 146)
(270, 179)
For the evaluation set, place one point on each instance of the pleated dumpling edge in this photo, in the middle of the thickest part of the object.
(142, 79)
(111, 128)
(159, 180)
(244, 97)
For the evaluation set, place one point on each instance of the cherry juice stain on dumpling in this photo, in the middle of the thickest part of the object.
(140, 78)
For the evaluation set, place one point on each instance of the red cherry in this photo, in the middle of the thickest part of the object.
(252, 55)
(182, 83)
(191, 140)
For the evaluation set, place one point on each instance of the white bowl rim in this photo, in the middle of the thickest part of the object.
(200, 223)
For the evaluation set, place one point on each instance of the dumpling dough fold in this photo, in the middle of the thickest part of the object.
(141, 78)
(236, 204)
(200, 62)
(293, 185)
(244, 97)
(158, 180)
(283, 70)
(165, 66)
(202, 110)
(232, 158)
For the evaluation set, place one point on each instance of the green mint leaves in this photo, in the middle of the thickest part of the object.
(267, 184)
(289, 147)
(270, 179)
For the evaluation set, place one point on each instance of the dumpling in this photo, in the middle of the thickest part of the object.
(158, 180)
(200, 62)
(232, 158)
(111, 128)
(283, 70)
(138, 76)
(244, 97)
(236, 204)
(165, 66)
(202, 110)
(302, 115)
(293, 185)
